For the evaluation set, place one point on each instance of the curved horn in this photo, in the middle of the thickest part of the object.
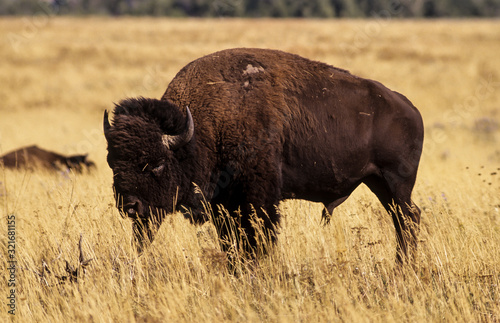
(106, 124)
(177, 141)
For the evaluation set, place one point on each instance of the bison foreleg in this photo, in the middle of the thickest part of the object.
(261, 228)
(247, 231)
(144, 231)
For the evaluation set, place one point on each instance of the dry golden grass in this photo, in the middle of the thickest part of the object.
(57, 76)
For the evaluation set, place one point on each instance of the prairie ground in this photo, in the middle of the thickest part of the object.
(59, 74)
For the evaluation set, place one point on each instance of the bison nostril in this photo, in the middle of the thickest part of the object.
(132, 208)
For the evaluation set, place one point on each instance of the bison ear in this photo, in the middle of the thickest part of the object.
(177, 141)
(106, 125)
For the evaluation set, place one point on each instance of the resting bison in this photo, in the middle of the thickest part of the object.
(33, 157)
(246, 128)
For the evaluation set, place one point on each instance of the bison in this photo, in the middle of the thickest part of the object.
(34, 157)
(247, 128)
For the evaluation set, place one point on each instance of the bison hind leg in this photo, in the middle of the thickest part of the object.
(394, 192)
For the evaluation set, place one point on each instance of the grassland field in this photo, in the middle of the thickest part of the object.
(57, 75)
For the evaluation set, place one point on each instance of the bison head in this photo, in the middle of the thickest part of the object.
(147, 143)
(77, 162)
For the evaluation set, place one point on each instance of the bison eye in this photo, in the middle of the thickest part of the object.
(158, 170)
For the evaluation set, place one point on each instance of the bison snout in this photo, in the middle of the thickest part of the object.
(133, 208)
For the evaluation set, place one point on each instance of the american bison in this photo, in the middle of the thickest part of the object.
(33, 157)
(246, 128)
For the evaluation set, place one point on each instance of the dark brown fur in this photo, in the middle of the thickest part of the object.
(268, 126)
(33, 157)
